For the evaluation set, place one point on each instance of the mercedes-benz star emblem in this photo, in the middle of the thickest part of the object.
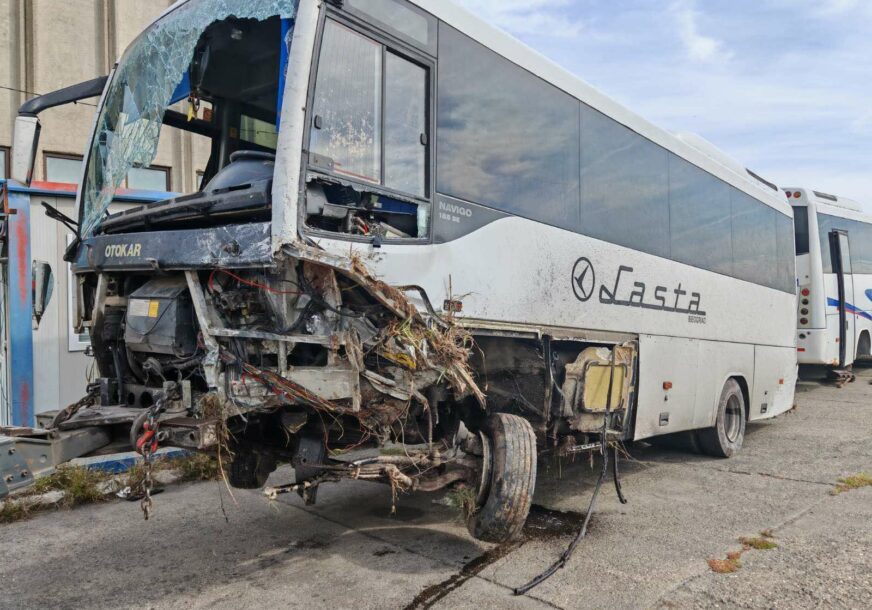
(583, 279)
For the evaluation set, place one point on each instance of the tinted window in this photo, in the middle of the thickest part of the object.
(699, 212)
(754, 243)
(800, 224)
(506, 139)
(405, 125)
(859, 236)
(348, 104)
(624, 186)
(861, 247)
(400, 18)
(786, 255)
(825, 225)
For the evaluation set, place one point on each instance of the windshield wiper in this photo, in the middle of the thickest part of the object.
(55, 214)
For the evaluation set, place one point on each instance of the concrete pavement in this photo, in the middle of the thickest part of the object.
(349, 552)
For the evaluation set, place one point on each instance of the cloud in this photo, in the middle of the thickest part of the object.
(524, 18)
(783, 86)
(698, 46)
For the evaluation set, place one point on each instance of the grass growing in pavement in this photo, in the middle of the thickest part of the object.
(853, 482)
(727, 566)
(733, 562)
(758, 543)
(11, 512)
(80, 485)
(196, 467)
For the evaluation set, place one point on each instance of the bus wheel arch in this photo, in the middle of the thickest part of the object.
(746, 394)
(725, 438)
(864, 344)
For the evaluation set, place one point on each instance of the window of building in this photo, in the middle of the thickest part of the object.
(63, 168)
(258, 132)
(4, 162)
(506, 138)
(360, 82)
(153, 178)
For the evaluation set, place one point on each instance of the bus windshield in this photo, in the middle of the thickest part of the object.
(218, 63)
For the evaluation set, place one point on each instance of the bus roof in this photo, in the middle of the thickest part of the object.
(830, 204)
(544, 68)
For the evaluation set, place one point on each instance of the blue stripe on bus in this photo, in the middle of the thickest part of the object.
(850, 308)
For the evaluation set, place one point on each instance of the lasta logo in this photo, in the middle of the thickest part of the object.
(627, 291)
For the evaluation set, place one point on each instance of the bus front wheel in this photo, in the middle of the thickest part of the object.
(508, 480)
(725, 438)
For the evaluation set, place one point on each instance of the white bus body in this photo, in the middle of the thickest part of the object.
(833, 330)
(564, 232)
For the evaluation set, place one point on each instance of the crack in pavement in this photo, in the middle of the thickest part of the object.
(773, 476)
(705, 571)
(415, 552)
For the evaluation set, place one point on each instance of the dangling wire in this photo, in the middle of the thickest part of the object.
(604, 451)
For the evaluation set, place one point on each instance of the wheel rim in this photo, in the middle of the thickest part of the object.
(733, 419)
(486, 469)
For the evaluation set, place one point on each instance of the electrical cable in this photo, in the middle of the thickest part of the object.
(40, 94)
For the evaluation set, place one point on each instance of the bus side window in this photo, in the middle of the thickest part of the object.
(369, 139)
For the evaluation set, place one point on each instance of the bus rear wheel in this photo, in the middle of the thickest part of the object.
(508, 479)
(725, 439)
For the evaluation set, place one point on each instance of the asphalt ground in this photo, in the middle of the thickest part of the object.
(204, 549)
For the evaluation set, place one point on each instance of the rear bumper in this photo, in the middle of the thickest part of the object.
(818, 347)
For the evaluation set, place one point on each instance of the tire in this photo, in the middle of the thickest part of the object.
(501, 516)
(249, 470)
(725, 439)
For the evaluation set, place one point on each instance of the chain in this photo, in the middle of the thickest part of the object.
(147, 445)
(148, 449)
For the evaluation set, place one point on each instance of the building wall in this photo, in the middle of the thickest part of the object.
(46, 45)
(49, 44)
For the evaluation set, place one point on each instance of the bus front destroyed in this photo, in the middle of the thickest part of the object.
(313, 359)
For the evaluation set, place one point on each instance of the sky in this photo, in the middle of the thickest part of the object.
(782, 86)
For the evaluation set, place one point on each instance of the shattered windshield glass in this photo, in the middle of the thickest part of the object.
(146, 83)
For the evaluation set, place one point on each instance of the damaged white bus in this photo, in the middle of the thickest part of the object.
(412, 229)
(834, 265)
